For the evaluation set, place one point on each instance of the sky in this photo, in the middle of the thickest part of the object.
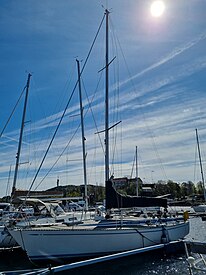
(156, 89)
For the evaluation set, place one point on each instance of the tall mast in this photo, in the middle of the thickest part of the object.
(136, 173)
(107, 100)
(200, 160)
(83, 138)
(21, 135)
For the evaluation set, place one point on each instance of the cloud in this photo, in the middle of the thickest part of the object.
(160, 110)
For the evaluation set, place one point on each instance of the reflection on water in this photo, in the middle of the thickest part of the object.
(14, 259)
(147, 264)
(141, 265)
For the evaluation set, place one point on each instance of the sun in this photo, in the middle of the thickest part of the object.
(157, 8)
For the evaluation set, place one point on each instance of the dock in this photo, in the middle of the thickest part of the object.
(195, 252)
(168, 247)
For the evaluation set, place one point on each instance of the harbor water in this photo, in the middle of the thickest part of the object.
(149, 263)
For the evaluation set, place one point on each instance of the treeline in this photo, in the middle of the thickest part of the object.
(96, 193)
(178, 191)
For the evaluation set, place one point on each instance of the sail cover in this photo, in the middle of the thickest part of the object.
(117, 200)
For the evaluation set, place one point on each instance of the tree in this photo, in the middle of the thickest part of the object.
(199, 188)
(174, 189)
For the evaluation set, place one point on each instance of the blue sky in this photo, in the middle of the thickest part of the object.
(157, 89)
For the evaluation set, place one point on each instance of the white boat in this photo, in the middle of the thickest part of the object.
(91, 240)
(111, 235)
(38, 213)
(6, 240)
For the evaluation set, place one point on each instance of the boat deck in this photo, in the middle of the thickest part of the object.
(105, 225)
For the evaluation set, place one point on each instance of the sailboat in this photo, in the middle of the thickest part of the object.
(5, 239)
(110, 235)
(201, 208)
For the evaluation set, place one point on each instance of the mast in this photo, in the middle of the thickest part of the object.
(107, 99)
(21, 135)
(83, 138)
(201, 169)
(7, 188)
(136, 173)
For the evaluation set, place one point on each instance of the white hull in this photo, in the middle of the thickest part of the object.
(66, 243)
(6, 240)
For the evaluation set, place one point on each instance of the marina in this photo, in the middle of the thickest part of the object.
(54, 242)
(79, 201)
(173, 262)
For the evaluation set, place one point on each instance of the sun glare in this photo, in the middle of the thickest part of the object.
(157, 8)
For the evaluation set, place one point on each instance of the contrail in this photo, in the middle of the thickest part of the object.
(170, 56)
(12, 139)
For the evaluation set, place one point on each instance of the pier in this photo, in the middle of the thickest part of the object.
(168, 248)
